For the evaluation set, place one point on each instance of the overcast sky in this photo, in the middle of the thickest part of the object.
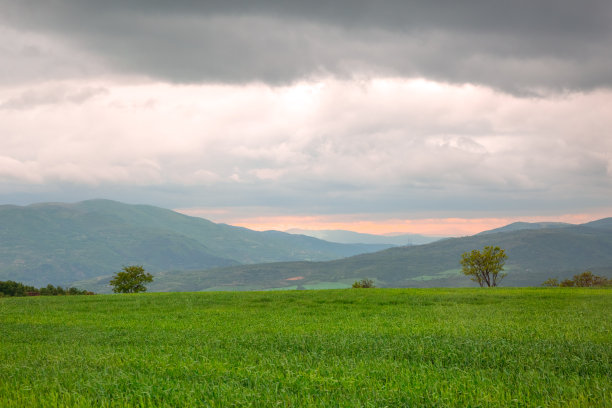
(441, 117)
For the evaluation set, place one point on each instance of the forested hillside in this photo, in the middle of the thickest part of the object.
(60, 243)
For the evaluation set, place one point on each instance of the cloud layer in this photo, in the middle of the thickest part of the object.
(387, 145)
(518, 46)
(382, 111)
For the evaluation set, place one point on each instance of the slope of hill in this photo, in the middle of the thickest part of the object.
(518, 226)
(60, 243)
(533, 256)
(603, 224)
(351, 237)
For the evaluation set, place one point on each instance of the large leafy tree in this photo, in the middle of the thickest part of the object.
(485, 267)
(131, 279)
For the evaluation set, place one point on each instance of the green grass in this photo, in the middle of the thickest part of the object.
(367, 347)
(328, 285)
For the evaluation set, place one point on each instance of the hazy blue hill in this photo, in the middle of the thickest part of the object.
(351, 237)
(240, 244)
(534, 256)
(604, 224)
(518, 226)
(60, 243)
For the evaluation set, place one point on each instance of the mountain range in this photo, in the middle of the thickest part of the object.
(535, 253)
(61, 243)
(84, 244)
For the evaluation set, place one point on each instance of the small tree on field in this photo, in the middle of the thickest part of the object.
(364, 283)
(485, 267)
(131, 279)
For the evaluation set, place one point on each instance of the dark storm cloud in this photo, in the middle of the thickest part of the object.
(517, 46)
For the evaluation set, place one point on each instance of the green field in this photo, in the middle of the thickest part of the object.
(350, 347)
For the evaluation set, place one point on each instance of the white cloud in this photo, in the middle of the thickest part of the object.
(16, 171)
(51, 95)
(385, 144)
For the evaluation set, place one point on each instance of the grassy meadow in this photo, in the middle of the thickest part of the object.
(333, 348)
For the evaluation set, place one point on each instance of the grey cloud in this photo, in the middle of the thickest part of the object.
(517, 46)
(55, 95)
(288, 200)
(40, 57)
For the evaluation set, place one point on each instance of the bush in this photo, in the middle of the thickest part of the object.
(11, 288)
(364, 283)
(552, 282)
(587, 279)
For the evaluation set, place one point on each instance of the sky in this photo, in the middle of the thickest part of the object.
(435, 117)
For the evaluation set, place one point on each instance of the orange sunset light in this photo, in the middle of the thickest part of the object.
(361, 223)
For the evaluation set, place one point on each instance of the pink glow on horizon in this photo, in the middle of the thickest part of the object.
(393, 226)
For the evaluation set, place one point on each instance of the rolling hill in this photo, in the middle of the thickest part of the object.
(60, 243)
(533, 256)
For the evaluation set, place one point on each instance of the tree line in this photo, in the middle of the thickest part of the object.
(12, 288)
(584, 280)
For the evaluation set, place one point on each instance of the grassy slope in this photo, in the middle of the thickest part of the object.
(445, 347)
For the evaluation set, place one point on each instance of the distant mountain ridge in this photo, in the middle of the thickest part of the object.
(84, 243)
(604, 224)
(60, 243)
(534, 255)
(351, 237)
(518, 226)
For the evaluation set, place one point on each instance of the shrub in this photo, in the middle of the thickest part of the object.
(587, 279)
(584, 280)
(364, 283)
(11, 288)
(551, 282)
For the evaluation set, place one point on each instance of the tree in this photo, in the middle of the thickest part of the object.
(131, 280)
(364, 283)
(485, 267)
(587, 279)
